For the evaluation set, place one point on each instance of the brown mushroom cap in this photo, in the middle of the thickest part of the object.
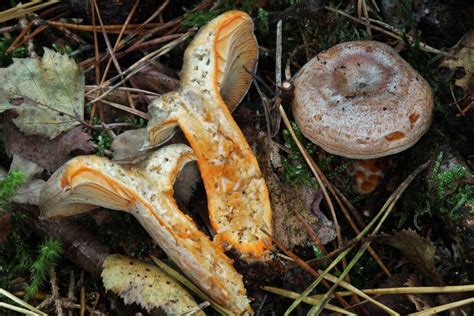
(362, 100)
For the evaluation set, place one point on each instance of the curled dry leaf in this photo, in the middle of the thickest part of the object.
(288, 199)
(419, 251)
(47, 94)
(147, 285)
(49, 154)
(464, 59)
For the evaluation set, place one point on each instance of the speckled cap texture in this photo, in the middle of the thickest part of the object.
(362, 100)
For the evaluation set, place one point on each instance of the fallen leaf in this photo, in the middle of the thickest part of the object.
(127, 146)
(464, 59)
(147, 285)
(49, 154)
(421, 301)
(288, 199)
(5, 226)
(419, 251)
(47, 93)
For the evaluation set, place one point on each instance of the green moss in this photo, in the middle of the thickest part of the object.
(8, 187)
(198, 19)
(448, 188)
(49, 252)
(6, 58)
(296, 170)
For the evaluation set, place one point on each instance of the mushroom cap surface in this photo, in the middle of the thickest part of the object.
(362, 100)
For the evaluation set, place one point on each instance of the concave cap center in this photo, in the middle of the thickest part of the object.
(360, 76)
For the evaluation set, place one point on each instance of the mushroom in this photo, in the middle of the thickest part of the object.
(362, 100)
(146, 191)
(216, 75)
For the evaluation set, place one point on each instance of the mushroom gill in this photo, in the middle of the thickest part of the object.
(146, 192)
(216, 74)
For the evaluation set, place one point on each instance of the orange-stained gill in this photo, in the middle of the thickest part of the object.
(146, 191)
(216, 74)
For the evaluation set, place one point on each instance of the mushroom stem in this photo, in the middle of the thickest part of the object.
(146, 191)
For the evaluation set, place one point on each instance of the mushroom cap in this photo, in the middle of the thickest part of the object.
(362, 100)
(222, 57)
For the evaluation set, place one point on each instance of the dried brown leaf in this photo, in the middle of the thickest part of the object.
(464, 59)
(419, 251)
(49, 154)
(288, 199)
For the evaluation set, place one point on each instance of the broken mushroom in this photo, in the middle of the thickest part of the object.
(216, 74)
(362, 100)
(146, 191)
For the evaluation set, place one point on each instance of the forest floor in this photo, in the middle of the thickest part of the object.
(405, 245)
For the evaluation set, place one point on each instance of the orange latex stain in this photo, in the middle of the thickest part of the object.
(413, 118)
(367, 175)
(395, 136)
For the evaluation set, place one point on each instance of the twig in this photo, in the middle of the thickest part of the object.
(55, 293)
(139, 65)
(70, 292)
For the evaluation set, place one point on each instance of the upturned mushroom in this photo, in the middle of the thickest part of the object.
(216, 75)
(146, 191)
(362, 100)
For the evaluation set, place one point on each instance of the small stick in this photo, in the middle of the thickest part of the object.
(55, 293)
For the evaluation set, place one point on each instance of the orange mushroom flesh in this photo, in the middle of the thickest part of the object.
(216, 75)
(367, 175)
(146, 191)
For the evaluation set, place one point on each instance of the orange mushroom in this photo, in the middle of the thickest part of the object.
(146, 191)
(216, 75)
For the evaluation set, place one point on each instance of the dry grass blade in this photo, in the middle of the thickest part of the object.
(441, 308)
(139, 113)
(23, 9)
(188, 284)
(321, 184)
(21, 302)
(138, 66)
(390, 32)
(385, 211)
(308, 300)
(409, 290)
(336, 193)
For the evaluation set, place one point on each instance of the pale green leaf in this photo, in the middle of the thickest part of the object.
(47, 93)
(146, 285)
